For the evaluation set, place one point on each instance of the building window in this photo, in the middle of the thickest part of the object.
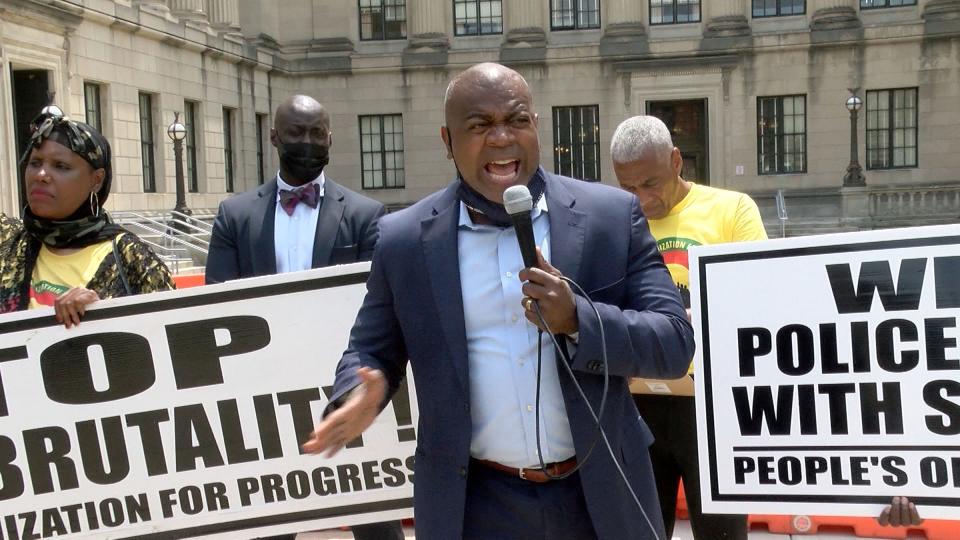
(778, 8)
(892, 128)
(261, 140)
(228, 149)
(574, 14)
(674, 11)
(91, 103)
(869, 4)
(146, 144)
(576, 141)
(190, 122)
(477, 17)
(381, 151)
(782, 134)
(383, 19)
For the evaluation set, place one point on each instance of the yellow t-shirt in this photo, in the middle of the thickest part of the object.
(707, 215)
(55, 274)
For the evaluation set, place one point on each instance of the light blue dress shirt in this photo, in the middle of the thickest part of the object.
(502, 350)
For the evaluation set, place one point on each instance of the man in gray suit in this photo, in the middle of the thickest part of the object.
(297, 221)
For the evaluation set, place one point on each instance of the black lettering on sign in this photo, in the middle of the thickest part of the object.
(196, 355)
(68, 378)
(875, 276)
(300, 412)
(10, 353)
(401, 410)
(190, 423)
(45, 448)
(237, 451)
(751, 343)
(837, 401)
(804, 361)
(890, 406)
(148, 423)
(751, 416)
(938, 343)
(935, 394)
(118, 463)
(11, 477)
(893, 465)
(267, 424)
(945, 272)
(887, 357)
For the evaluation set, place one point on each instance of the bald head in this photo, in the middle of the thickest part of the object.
(488, 76)
(301, 135)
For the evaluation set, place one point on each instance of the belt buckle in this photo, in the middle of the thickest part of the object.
(522, 475)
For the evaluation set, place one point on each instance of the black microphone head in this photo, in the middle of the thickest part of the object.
(517, 200)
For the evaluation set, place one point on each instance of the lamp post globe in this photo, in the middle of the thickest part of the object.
(854, 176)
(177, 133)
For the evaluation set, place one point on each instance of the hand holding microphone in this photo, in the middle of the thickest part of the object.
(544, 283)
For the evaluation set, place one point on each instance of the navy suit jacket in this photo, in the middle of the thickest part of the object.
(242, 242)
(413, 310)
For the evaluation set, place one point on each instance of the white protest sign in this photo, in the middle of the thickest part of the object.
(181, 414)
(828, 372)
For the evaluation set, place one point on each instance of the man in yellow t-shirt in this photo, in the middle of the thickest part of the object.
(681, 214)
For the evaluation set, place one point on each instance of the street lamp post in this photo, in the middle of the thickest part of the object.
(177, 132)
(854, 176)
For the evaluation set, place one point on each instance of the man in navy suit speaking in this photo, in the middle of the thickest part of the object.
(448, 292)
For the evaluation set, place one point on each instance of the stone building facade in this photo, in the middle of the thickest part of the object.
(754, 91)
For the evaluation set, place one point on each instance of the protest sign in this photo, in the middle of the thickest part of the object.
(181, 414)
(828, 372)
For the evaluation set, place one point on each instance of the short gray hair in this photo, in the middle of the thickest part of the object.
(636, 137)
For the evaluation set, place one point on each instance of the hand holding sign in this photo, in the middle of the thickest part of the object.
(71, 305)
(900, 513)
(353, 418)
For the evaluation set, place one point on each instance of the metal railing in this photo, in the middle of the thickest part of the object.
(180, 240)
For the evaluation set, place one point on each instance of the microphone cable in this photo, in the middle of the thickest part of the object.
(596, 415)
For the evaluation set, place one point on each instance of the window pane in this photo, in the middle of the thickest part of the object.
(381, 147)
(576, 141)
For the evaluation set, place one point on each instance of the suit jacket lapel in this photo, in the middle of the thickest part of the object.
(567, 229)
(328, 224)
(261, 228)
(438, 235)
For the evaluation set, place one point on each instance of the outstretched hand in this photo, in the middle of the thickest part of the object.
(70, 306)
(553, 294)
(900, 513)
(352, 418)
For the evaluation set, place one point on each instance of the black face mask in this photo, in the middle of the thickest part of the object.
(304, 161)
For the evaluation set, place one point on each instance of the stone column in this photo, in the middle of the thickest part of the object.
(524, 20)
(940, 10)
(224, 14)
(623, 31)
(188, 9)
(833, 14)
(725, 18)
(428, 24)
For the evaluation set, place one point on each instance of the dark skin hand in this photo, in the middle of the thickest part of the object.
(353, 418)
(70, 306)
(545, 286)
(900, 513)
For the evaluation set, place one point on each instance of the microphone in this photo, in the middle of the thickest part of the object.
(519, 203)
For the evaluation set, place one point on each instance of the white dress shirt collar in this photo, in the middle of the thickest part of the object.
(320, 181)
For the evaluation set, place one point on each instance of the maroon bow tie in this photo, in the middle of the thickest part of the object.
(308, 194)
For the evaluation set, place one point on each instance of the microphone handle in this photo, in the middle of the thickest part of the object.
(523, 226)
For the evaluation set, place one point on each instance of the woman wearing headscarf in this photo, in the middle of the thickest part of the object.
(66, 252)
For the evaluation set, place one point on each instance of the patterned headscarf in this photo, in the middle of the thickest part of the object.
(81, 138)
(84, 227)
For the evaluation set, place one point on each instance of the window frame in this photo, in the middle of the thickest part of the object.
(97, 110)
(478, 18)
(574, 165)
(779, 137)
(262, 120)
(577, 10)
(891, 129)
(675, 21)
(779, 13)
(382, 153)
(383, 33)
(190, 109)
(229, 167)
(864, 4)
(148, 142)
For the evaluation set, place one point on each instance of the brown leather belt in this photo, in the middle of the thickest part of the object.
(533, 475)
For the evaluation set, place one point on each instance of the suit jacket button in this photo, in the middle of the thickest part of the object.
(463, 472)
(595, 365)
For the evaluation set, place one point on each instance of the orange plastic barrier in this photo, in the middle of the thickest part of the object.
(188, 280)
(931, 529)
